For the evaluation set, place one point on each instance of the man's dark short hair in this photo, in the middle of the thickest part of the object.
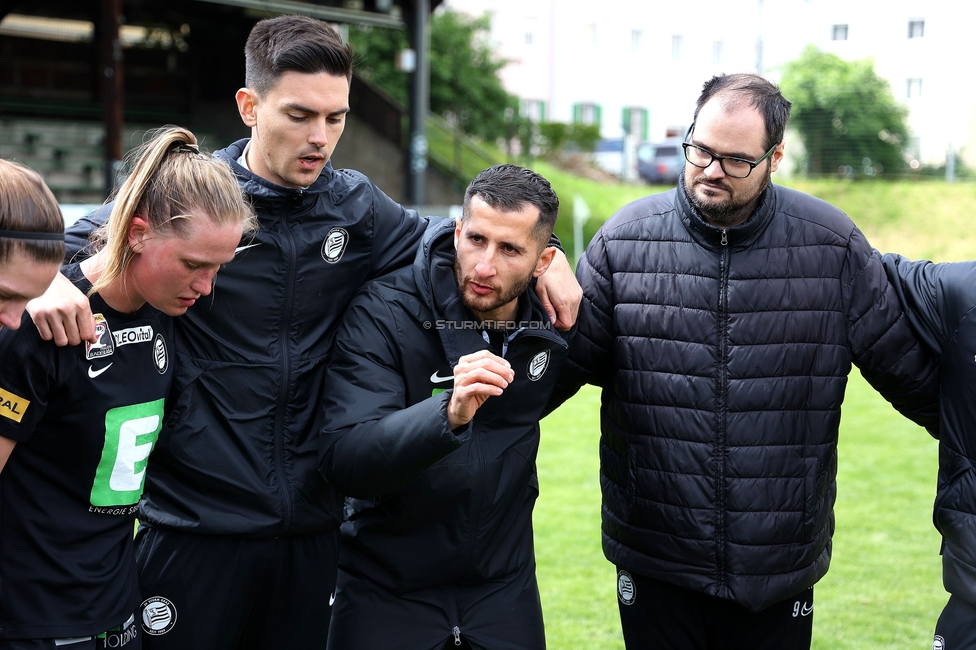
(293, 43)
(509, 188)
(759, 92)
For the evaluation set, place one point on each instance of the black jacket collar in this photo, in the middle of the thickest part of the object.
(741, 236)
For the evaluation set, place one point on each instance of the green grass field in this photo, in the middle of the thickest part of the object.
(884, 587)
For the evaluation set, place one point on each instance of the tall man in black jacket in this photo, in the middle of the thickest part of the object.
(437, 551)
(239, 535)
(940, 300)
(722, 319)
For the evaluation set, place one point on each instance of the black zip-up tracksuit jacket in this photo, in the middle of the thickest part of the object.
(439, 540)
(940, 300)
(723, 355)
(238, 454)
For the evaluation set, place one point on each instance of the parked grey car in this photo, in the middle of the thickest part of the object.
(608, 155)
(660, 163)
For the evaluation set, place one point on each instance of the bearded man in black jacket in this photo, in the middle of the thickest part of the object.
(437, 551)
(721, 319)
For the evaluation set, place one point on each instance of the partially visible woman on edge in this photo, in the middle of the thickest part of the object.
(78, 423)
(31, 240)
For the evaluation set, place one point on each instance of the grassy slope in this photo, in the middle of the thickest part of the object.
(884, 586)
(926, 219)
(923, 220)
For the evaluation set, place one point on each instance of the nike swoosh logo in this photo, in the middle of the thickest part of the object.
(806, 611)
(331, 599)
(434, 379)
(94, 373)
(242, 248)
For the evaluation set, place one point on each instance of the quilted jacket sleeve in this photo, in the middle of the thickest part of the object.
(884, 347)
(935, 296)
(591, 349)
(374, 443)
(396, 233)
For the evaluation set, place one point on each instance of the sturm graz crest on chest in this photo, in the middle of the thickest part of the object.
(537, 367)
(160, 356)
(334, 245)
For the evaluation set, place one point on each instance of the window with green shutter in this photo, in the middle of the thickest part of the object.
(585, 113)
(635, 121)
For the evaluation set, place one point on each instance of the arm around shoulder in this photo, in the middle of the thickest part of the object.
(397, 232)
(63, 314)
(560, 292)
(884, 346)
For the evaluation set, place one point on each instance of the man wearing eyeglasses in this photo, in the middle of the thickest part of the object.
(721, 319)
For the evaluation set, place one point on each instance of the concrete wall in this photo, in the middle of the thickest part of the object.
(364, 150)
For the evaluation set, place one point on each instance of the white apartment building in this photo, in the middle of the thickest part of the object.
(637, 66)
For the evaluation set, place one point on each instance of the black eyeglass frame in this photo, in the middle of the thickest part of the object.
(752, 163)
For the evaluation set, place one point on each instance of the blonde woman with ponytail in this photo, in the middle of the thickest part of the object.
(77, 424)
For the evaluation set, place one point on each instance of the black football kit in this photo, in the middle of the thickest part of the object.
(85, 419)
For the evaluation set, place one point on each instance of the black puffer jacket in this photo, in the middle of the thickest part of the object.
(451, 509)
(238, 454)
(941, 302)
(724, 356)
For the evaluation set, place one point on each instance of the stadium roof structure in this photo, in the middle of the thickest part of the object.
(155, 61)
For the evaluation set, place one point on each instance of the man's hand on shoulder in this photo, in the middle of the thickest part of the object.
(560, 293)
(477, 377)
(63, 314)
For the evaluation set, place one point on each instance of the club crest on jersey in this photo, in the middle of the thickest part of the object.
(105, 345)
(158, 615)
(538, 365)
(334, 245)
(160, 356)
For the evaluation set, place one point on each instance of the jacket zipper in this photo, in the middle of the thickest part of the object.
(279, 442)
(723, 387)
(453, 613)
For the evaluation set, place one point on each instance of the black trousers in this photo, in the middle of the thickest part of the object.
(956, 629)
(228, 593)
(656, 615)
